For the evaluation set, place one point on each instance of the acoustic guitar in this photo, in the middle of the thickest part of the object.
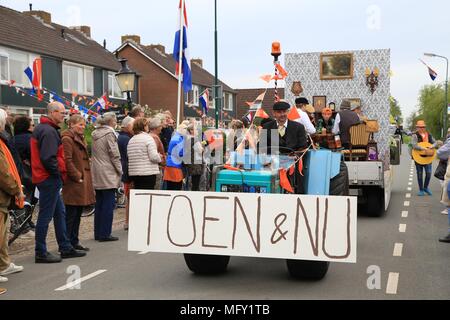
(424, 157)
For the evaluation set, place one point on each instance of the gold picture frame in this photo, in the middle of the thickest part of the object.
(336, 66)
(319, 103)
(354, 101)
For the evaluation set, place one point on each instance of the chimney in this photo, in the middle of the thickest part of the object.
(43, 15)
(63, 33)
(104, 43)
(86, 30)
(198, 62)
(158, 47)
(132, 37)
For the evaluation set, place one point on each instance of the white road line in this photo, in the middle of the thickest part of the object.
(407, 203)
(409, 189)
(410, 179)
(79, 281)
(410, 183)
(404, 214)
(408, 196)
(402, 228)
(392, 283)
(398, 249)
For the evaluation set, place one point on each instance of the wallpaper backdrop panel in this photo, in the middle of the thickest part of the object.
(305, 67)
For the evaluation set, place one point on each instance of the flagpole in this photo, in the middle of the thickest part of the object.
(180, 63)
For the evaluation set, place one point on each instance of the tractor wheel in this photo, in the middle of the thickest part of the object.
(308, 270)
(339, 185)
(206, 264)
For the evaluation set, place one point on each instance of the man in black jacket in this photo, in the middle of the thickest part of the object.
(291, 137)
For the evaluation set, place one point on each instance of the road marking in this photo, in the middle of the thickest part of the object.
(407, 203)
(398, 249)
(405, 214)
(410, 179)
(392, 283)
(409, 189)
(402, 228)
(408, 196)
(409, 183)
(79, 281)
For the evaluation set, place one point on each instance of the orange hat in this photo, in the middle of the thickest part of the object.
(327, 111)
(420, 124)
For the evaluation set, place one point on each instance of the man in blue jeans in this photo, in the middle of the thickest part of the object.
(49, 171)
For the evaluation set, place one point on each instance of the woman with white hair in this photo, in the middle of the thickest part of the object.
(10, 188)
(173, 173)
(106, 175)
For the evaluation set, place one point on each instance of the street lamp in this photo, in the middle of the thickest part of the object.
(126, 79)
(444, 129)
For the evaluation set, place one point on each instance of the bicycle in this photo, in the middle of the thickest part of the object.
(120, 203)
(20, 219)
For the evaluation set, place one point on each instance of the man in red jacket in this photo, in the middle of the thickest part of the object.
(49, 172)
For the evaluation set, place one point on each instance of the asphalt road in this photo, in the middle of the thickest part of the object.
(420, 269)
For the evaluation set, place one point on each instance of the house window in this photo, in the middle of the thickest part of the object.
(78, 78)
(195, 95)
(113, 87)
(4, 68)
(228, 102)
(12, 66)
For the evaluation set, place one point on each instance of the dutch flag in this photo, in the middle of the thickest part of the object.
(204, 102)
(101, 103)
(433, 74)
(185, 68)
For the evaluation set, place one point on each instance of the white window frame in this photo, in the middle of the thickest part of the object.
(83, 92)
(112, 75)
(228, 99)
(4, 54)
(7, 53)
(195, 95)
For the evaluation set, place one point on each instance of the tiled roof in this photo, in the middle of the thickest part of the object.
(199, 75)
(249, 95)
(25, 32)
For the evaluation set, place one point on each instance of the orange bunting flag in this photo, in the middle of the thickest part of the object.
(300, 167)
(266, 78)
(284, 181)
(261, 114)
(282, 72)
(293, 114)
(292, 170)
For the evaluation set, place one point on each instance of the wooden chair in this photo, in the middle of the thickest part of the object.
(359, 139)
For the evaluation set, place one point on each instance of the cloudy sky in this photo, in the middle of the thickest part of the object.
(248, 27)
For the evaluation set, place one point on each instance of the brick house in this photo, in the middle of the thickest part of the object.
(158, 84)
(249, 95)
(71, 61)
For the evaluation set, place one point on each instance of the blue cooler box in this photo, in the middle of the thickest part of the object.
(262, 181)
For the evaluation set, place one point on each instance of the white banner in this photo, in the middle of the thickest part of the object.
(319, 228)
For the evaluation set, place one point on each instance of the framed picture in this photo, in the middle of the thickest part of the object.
(337, 66)
(354, 101)
(319, 102)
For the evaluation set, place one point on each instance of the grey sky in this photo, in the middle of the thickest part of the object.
(248, 27)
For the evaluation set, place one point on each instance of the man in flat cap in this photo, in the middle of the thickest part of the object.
(303, 108)
(291, 137)
(344, 120)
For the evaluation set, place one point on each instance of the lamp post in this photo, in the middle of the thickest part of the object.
(126, 79)
(444, 129)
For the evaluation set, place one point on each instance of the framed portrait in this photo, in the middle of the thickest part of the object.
(337, 66)
(319, 102)
(354, 101)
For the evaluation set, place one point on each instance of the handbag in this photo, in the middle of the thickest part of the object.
(441, 170)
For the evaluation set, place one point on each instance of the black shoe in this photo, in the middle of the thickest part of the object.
(446, 239)
(109, 239)
(72, 254)
(47, 258)
(81, 248)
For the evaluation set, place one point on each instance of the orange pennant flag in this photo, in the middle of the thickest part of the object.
(261, 114)
(284, 181)
(293, 114)
(300, 167)
(281, 70)
(266, 78)
(291, 170)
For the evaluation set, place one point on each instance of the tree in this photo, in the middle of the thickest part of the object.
(431, 107)
(396, 111)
